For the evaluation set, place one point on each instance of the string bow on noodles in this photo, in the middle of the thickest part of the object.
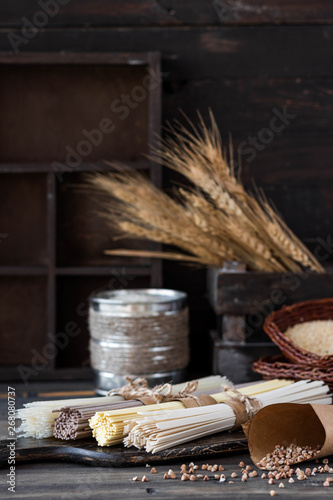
(243, 406)
(133, 389)
(163, 393)
(159, 394)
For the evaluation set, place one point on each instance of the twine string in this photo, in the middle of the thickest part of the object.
(162, 393)
(236, 398)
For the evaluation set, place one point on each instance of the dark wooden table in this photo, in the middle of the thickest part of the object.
(59, 480)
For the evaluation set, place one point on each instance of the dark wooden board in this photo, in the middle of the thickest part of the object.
(30, 291)
(87, 452)
(171, 12)
(247, 105)
(201, 53)
(234, 359)
(254, 292)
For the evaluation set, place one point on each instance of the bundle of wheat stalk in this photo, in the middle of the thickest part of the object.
(156, 431)
(213, 221)
(108, 426)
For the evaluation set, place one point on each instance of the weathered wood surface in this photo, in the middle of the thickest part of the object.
(171, 12)
(69, 480)
(55, 481)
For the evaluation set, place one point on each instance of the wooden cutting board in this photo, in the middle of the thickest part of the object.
(87, 452)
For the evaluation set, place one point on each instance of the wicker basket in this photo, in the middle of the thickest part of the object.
(279, 367)
(277, 323)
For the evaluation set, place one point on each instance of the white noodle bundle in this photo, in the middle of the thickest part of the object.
(38, 417)
(164, 429)
(108, 426)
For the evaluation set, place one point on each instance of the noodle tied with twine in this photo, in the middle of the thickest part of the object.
(243, 406)
(138, 389)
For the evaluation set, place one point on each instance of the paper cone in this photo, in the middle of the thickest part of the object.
(286, 423)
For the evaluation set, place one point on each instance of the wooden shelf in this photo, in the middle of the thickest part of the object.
(23, 270)
(22, 168)
(102, 271)
(74, 271)
(52, 257)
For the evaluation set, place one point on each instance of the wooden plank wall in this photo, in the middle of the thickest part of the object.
(249, 61)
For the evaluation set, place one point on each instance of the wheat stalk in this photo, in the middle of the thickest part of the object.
(147, 213)
(154, 254)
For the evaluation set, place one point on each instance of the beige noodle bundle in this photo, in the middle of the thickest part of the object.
(163, 429)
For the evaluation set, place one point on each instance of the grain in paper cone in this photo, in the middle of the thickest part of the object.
(286, 423)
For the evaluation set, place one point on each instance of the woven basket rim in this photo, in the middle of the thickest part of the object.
(279, 359)
(278, 366)
(274, 332)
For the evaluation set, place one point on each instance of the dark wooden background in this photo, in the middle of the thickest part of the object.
(242, 58)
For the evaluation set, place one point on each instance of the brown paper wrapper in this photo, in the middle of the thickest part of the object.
(286, 423)
(204, 400)
(147, 400)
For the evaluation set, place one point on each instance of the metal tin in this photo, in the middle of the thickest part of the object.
(117, 348)
(138, 301)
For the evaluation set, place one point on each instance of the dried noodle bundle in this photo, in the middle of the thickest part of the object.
(163, 429)
(108, 426)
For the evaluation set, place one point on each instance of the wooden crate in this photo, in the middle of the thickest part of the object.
(52, 241)
(242, 300)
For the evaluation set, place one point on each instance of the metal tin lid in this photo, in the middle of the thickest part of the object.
(138, 301)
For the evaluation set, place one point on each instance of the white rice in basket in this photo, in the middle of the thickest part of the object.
(313, 336)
